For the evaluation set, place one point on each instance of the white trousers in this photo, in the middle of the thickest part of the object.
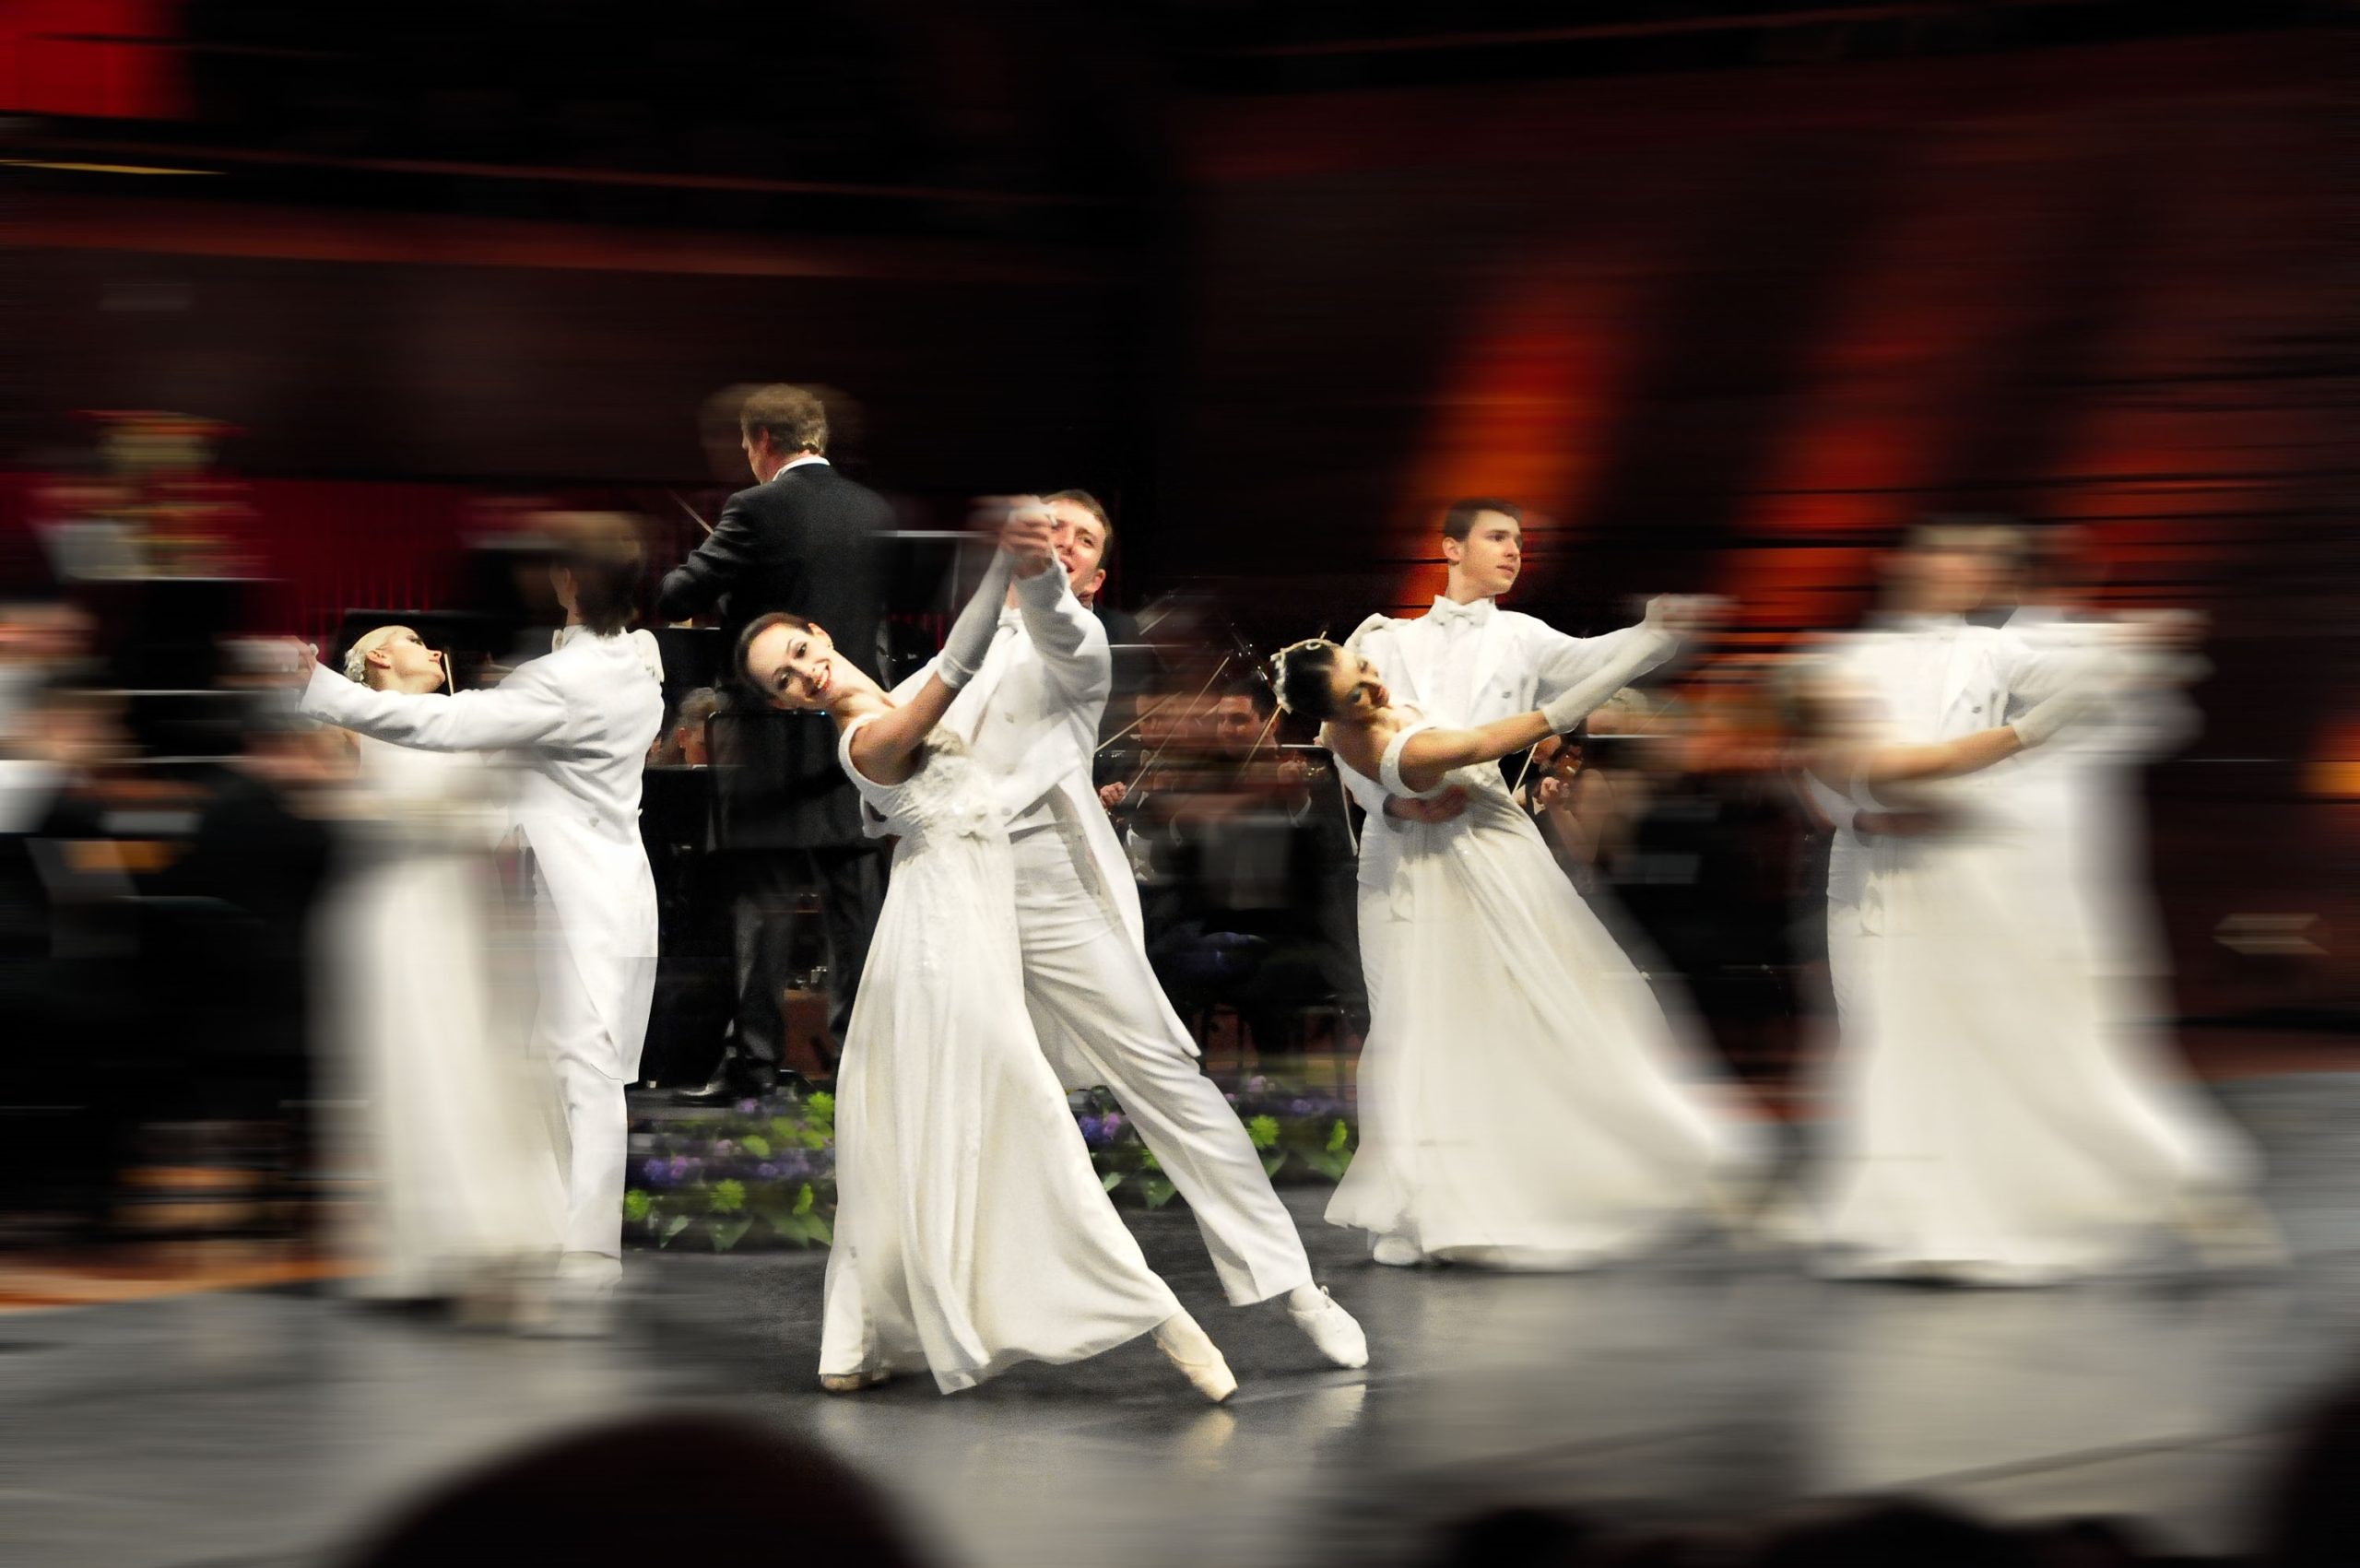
(1102, 1020)
(597, 1117)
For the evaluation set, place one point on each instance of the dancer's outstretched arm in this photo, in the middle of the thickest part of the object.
(1071, 641)
(884, 747)
(1938, 760)
(1432, 753)
(1563, 661)
(1984, 749)
(523, 710)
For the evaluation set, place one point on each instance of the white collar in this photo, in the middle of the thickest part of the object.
(799, 462)
(1479, 611)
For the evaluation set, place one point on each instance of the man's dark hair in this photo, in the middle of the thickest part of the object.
(793, 417)
(1459, 521)
(608, 556)
(1957, 530)
(1253, 690)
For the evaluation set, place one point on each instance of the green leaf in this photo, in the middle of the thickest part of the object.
(678, 1223)
(1158, 1190)
(804, 1199)
(1112, 1180)
(727, 1198)
(821, 1231)
(822, 1107)
(1262, 1130)
(1338, 1136)
(788, 1129)
(756, 1145)
(1272, 1161)
(1148, 1161)
(729, 1232)
(637, 1206)
(790, 1227)
(1331, 1166)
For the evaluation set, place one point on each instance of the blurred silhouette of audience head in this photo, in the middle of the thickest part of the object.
(645, 1490)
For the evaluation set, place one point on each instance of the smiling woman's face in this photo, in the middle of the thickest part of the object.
(794, 667)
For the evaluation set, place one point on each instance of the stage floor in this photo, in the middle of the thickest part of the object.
(266, 1427)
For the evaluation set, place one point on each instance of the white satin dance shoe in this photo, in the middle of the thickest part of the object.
(1187, 1347)
(1331, 1328)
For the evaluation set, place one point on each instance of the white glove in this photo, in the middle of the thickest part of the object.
(971, 634)
(2094, 682)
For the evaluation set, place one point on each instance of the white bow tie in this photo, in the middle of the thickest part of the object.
(1449, 614)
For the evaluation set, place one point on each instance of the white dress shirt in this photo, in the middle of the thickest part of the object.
(1461, 628)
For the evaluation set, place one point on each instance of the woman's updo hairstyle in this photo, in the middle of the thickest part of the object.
(1303, 676)
(355, 658)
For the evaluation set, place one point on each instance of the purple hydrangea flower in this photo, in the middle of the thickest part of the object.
(657, 1174)
(748, 1107)
(767, 1171)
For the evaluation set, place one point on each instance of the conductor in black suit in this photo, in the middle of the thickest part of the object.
(803, 539)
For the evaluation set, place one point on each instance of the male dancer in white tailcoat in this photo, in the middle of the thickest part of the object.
(1031, 717)
(1996, 1127)
(578, 724)
(1465, 662)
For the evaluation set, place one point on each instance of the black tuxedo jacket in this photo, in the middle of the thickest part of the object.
(808, 542)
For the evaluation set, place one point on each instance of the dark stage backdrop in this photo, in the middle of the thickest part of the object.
(1726, 332)
(407, 347)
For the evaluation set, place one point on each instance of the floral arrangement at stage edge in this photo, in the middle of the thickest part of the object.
(763, 1173)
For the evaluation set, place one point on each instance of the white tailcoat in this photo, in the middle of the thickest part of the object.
(1031, 715)
(1520, 662)
(578, 724)
(1042, 689)
(1992, 1115)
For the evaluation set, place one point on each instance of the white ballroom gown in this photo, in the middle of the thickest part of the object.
(449, 1121)
(972, 1232)
(1996, 1121)
(1523, 1101)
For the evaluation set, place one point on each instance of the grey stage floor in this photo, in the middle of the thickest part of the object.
(264, 1428)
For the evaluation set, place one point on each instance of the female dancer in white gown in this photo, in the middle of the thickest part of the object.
(467, 1189)
(1990, 1126)
(1524, 1102)
(972, 1232)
